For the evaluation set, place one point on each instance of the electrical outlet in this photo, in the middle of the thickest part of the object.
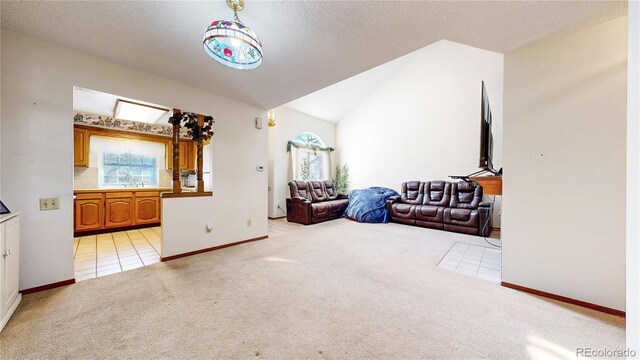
(49, 204)
(248, 222)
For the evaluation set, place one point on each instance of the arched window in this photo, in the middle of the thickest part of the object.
(310, 158)
(308, 139)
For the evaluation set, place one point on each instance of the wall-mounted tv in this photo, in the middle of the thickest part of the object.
(486, 138)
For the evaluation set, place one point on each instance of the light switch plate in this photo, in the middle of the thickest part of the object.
(49, 203)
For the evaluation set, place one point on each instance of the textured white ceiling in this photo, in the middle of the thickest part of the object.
(308, 45)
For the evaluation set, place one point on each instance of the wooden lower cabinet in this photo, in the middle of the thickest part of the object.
(119, 212)
(112, 210)
(147, 210)
(89, 214)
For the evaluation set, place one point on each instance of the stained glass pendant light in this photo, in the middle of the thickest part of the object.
(232, 43)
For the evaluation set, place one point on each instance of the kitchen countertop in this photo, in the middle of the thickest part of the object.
(129, 189)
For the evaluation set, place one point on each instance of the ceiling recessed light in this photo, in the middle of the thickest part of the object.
(129, 110)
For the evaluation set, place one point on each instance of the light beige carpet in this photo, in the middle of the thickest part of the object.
(338, 290)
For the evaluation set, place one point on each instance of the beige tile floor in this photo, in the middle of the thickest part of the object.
(281, 226)
(472, 260)
(105, 254)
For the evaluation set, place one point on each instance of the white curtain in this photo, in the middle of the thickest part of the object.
(325, 161)
(310, 164)
(295, 164)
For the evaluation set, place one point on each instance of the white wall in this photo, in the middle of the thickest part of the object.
(633, 179)
(564, 151)
(37, 154)
(290, 123)
(424, 123)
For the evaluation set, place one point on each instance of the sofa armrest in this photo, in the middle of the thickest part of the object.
(391, 201)
(297, 199)
(343, 196)
(299, 210)
(485, 204)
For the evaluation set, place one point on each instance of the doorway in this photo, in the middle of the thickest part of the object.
(121, 167)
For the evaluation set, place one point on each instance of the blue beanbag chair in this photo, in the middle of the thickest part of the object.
(369, 205)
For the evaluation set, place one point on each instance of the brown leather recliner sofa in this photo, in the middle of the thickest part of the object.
(452, 206)
(312, 202)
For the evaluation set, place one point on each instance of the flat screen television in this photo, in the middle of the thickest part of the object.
(486, 139)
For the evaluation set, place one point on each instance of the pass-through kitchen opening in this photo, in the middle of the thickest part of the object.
(122, 164)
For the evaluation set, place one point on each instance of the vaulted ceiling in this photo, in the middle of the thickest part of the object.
(308, 45)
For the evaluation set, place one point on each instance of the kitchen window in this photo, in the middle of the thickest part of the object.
(129, 169)
(126, 163)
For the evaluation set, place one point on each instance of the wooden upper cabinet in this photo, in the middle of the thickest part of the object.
(118, 212)
(80, 147)
(147, 210)
(81, 135)
(188, 155)
(89, 214)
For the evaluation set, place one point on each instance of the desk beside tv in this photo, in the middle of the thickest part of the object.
(491, 185)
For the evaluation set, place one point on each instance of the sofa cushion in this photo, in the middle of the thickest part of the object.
(406, 211)
(316, 188)
(299, 188)
(437, 193)
(321, 208)
(466, 195)
(461, 217)
(330, 190)
(430, 213)
(412, 192)
(338, 206)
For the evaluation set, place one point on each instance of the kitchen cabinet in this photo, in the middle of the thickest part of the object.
(80, 147)
(188, 161)
(147, 208)
(188, 154)
(9, 266)
(111, 209)
(118, 210)
(81, 135)
(89, 212)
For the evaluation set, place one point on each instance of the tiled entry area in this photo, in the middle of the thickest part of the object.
(105, 254)
(281, 226)
(477, 261)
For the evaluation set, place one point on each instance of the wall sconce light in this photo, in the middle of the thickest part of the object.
(271, 118)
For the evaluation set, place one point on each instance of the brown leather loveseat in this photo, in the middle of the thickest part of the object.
(312, 202)
(443, 205)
